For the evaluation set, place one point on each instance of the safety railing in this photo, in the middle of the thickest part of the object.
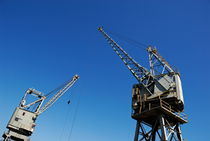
(159, 104)
(169, 108)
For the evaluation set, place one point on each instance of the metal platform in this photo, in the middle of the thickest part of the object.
(149, 115)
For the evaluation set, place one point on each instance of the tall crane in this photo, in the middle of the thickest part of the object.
(157, 98)
(22, 123)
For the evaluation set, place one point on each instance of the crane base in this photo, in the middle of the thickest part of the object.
(10, 135)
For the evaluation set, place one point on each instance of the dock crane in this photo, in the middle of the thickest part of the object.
(157, 98)
(22, 123)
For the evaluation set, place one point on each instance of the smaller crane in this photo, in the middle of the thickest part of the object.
(22, 122)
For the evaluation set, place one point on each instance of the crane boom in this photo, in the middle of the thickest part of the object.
(139, 72)
(59, 94)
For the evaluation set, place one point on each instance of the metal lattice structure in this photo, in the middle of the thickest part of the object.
(139, 72)
(165, 133)
(157, 100)
(22, 122)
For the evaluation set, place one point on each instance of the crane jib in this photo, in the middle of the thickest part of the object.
(138, 71)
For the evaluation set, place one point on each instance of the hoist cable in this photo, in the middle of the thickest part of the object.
(65, 124)
(69, 124)
(56, 89)
(74, 119)
(66, 117)
(129, 40)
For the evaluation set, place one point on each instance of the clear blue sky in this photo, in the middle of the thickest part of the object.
(45, 42)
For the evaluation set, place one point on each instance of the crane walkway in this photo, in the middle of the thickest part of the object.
(163, 108)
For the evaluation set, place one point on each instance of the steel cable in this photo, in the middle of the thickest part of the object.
(129, 40)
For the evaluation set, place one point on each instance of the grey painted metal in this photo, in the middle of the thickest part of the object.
(160, 81)
(37, 102)
(179, 132)
(156, 61)
(160, 131)
(137, 131)
(139, 72)
(163, 129)
(22, 123)
(14, 136)
(59, 94)
(165, 74)
(156, 98)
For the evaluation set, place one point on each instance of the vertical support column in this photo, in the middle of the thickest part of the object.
(6, 136)
(13, 136)
(178, 132)
(152, 71)
(163, 129)
(154, 130)
(137, 131)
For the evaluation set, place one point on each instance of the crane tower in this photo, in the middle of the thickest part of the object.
(157, 98)
(22, 123)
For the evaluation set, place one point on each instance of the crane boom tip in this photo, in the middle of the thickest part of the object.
(76, 76)
(100, 28)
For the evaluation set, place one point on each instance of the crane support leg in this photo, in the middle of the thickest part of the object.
(13, 136)
(137, 131)
(179, 133)
(161, 130)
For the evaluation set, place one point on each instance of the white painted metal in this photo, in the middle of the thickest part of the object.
(179, 89)
(22, 120)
